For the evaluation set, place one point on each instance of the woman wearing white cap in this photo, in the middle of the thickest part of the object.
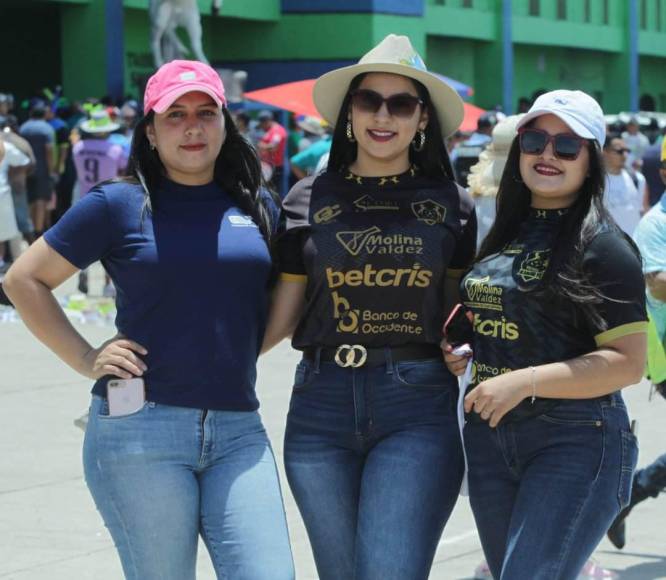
(175, 449)
(372, 451)
(558, 304)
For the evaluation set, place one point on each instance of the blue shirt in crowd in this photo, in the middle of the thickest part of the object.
(192, 280)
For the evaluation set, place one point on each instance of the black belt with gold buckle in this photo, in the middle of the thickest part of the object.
(357, 355)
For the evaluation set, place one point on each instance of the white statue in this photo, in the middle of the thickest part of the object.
(165, 17)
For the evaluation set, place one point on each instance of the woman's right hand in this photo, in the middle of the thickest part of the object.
(118, 356)
(455, 363)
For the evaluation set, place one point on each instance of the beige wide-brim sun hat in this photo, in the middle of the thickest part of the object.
(396, 55)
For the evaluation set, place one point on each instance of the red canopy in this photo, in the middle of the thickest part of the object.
(297, 98)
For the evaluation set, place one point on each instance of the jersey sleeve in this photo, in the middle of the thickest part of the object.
(84, 234)
(611, 264)
(465, 249)
(294, 223)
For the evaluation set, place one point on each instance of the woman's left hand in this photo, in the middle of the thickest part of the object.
(494, 398)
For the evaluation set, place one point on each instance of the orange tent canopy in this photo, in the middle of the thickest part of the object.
(297, 98)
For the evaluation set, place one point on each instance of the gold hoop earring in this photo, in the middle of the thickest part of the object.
(420, 144)
(350, 133)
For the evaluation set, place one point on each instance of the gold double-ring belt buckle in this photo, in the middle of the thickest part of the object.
(351, 355)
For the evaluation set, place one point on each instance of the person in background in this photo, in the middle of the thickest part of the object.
(484, 177)
(467, 153)
(650, 238)
(41, 181)
(635, 141)
(272, 147)
(621, 196)
(306, 161)
(97, 159)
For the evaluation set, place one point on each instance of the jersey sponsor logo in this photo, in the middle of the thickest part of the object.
(369, 277)
(354, 242)
(367, 202)
(241, 221)
(482, 294)
(327, 214)
(429, 212)
(373, 242)
(496, 328)
(370, 322)
(534, 266)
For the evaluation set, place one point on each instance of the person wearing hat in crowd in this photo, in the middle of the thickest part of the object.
(484, 177)
(318, 143)
(272, 147)
(370, 258)
(557, 300)
(97, 159)
(174, 447)
(41, 181)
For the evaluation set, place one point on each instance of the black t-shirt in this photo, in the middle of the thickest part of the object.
(374, 253)
(517, 325)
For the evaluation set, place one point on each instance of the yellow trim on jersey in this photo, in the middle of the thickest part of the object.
(620, 331)
(293, 277)
(455, 272)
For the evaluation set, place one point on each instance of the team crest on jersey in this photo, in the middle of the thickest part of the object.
(533, 266)
(429, 211)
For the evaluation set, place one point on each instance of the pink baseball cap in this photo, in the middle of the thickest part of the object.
(178, 77)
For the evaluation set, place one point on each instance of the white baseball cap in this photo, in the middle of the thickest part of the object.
(576, 108)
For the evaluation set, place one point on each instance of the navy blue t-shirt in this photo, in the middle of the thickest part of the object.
(192, 280)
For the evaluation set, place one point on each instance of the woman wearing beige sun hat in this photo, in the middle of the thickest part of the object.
(370, 259)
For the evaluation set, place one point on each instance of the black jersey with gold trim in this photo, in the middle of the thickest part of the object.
(517, 325)
(374, 253)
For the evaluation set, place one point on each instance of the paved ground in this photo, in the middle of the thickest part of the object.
(49, 527)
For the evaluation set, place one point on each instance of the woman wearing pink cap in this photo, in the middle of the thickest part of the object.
(174, 447)
(558, 304)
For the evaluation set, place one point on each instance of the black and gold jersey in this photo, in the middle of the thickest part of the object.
(517, 325)
(374, 253)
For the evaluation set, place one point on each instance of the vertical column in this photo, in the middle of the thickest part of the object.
(115, 49)
(507, 58)
(633, 64)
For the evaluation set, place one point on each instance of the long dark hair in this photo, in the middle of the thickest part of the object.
(237, 171)
(433, 160)
(585, 219)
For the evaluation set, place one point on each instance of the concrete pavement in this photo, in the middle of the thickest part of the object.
(49, 527)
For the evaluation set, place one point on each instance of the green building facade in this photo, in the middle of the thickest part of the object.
(505, 49)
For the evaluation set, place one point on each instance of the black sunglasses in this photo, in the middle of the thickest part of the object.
(400, 105)
(565, 145)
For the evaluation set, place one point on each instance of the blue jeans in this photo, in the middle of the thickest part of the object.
(545, 490)
(164, 475)
(374, 460)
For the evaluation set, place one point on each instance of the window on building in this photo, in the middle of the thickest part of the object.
(657, 14)
(561, 9)
(535, 8)
(586, 11)
(605, 16)
(643, 20)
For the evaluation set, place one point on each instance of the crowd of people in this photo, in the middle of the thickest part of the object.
(380, 270)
